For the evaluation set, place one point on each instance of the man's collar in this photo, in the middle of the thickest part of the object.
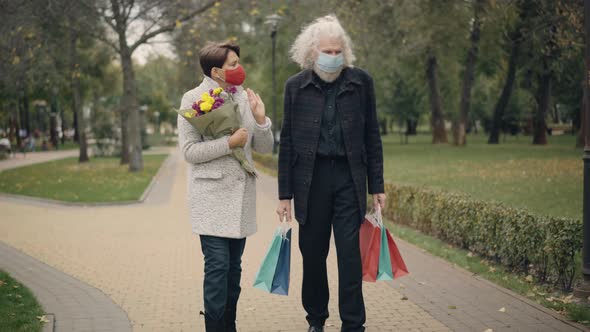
(346, 77)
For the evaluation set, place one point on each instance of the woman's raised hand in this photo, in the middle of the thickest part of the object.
(257, 107)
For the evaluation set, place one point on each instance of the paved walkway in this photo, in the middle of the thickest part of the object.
(145, 259)
(19, 160)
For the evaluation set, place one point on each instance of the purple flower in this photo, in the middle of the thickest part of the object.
(231, 89)
(196, 107)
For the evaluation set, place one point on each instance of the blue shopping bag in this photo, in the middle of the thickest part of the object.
(266, 272)
(280, 283)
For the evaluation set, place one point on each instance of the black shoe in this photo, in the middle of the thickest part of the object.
(230, 320)
(315, 329)
(214, 325)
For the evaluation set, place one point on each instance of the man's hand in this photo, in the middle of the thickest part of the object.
(379, 201)
(284, 210)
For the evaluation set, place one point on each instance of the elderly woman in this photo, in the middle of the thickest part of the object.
(222, 196)
(330, 150)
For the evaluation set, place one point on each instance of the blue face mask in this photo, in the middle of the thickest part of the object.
(330, 63)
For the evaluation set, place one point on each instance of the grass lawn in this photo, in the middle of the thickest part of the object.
(100, 180)
(543, 179)
(19, 310)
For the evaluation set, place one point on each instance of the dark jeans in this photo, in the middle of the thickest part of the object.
(332, 204)
(223, 271)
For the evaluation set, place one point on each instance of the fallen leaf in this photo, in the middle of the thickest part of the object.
(470, 254)
(530, 294)
(43, 319)
(404, 298)
(421, 283)
(502, 309)
(15, 286)
(1, 283)
(529, 278)
(492, 269)
(402, 285)
(489, 330)
(452, 307)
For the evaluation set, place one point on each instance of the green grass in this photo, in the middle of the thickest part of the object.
(543, 179)
(100, 180)
(544, 295)
(19, 310)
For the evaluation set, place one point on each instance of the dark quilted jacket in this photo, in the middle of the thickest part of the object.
(301, 129)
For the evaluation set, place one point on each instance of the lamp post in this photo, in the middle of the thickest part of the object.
(583, 288)
(274, 20)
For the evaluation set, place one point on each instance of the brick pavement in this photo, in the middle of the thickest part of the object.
(145, 259)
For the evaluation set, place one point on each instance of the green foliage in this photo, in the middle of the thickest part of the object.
(539, 245)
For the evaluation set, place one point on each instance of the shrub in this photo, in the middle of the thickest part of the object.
(540, 245)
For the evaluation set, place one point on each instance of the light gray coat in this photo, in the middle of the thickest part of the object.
(221, 196)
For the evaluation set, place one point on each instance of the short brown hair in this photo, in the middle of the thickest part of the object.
(215, 54)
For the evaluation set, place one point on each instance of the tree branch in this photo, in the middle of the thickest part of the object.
(170, 27)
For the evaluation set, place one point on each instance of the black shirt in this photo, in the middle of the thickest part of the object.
(331, 143)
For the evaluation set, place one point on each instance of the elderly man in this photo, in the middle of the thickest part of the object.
(330, 150)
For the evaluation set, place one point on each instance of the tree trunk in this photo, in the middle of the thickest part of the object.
(130, 107)
(543, 104)
(506, 92)
(76, 98)
(459, 134)
(411, 127)
(27, 124)
(582, 128)
(439, 134)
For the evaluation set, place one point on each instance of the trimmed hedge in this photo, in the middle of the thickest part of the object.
(539, 245)
(542, 246)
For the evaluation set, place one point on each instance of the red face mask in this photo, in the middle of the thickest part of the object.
(235, 76)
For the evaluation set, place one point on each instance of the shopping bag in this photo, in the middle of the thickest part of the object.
(280, 282)
(370, 244)
(385, 271)
(266, 272)
(398, 266)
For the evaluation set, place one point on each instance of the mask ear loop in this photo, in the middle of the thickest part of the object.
(220, 77)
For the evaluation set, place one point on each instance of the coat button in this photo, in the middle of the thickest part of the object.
(316, 120)
(310, 152)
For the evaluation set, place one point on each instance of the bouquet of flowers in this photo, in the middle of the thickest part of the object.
(215, 115)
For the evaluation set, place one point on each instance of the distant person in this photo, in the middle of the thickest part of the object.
(330, 154)
(5, 145)
(31, 143)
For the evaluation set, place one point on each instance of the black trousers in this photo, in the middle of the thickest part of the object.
(332, 204)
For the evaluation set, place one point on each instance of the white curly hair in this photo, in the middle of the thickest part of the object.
(305, 48)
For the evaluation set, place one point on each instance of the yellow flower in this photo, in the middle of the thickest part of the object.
(188, 114)
(205, 96)
(217, 91)
(206, 106)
